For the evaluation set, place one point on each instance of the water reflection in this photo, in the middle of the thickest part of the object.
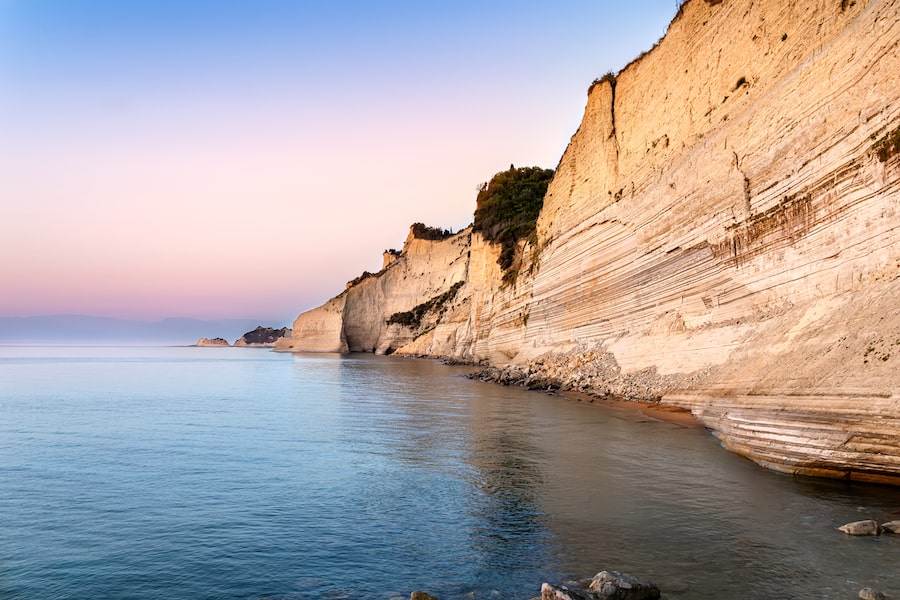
(463, 488)
(507, 481)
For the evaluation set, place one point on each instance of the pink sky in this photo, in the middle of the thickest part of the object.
(245, 160)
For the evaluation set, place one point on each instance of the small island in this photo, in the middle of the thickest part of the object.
(212, 342)
(261, 337)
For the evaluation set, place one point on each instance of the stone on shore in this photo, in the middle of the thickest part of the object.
(867, 527)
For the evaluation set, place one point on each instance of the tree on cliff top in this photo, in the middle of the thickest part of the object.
(423, 232)
(507, 208)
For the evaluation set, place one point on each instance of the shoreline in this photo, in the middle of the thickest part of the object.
(652, 410)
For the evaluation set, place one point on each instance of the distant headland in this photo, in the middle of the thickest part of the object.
(261, 337)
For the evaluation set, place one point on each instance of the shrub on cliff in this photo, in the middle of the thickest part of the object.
(413, 318)
(507, 208)
(421, 231)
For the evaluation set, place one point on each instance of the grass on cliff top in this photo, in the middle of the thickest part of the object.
(508, 206)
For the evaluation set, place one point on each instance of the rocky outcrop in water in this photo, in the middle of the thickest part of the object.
(262, 337)
(212, 342)
(867, 527)
(871, 594)
(606, 585)
(891, 527)
(722, 233)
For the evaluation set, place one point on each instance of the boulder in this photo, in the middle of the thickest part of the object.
(871, 594)
(564, 592)
(867, 527)
(606, 585)
(613, 585)
(420, 595)
(891, 527)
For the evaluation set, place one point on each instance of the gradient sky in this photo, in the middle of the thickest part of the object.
(247, 158)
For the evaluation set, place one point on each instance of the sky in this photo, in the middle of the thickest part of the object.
(245, 159)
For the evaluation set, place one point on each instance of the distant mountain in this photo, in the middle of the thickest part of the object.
(81, 329)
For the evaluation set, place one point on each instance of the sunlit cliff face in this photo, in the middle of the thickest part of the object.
(727, 208)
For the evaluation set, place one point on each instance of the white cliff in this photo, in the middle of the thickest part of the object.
(722, 227)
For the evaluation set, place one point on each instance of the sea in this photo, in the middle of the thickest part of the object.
(153, 473)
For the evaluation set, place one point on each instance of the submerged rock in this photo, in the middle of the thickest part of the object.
(420, 595)
(867, 527)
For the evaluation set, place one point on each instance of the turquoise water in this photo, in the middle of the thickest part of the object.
(153, 473)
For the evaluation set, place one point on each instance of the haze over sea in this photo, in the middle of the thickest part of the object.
(152, 473)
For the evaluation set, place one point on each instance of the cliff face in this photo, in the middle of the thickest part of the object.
(357, 319)
(725, 219)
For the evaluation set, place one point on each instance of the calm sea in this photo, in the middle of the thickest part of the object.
(166, 473)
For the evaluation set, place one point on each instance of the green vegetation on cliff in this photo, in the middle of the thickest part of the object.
(423, 232)
(413, 318)
(508, 206)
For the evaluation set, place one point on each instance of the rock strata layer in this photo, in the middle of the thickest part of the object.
(722, 234)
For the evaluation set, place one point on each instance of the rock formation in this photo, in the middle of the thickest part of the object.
(212, 342)
(606, 585)
(264, 337)
(891, 527)
(723, 225)
(867, 527)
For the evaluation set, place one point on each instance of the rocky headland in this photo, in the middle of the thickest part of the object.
(262, 337)
(722, 234)
(221, 342)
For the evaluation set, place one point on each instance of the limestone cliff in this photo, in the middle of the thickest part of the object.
(358, 319)
(723, 225)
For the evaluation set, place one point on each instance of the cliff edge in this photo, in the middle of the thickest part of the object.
(721, 234)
